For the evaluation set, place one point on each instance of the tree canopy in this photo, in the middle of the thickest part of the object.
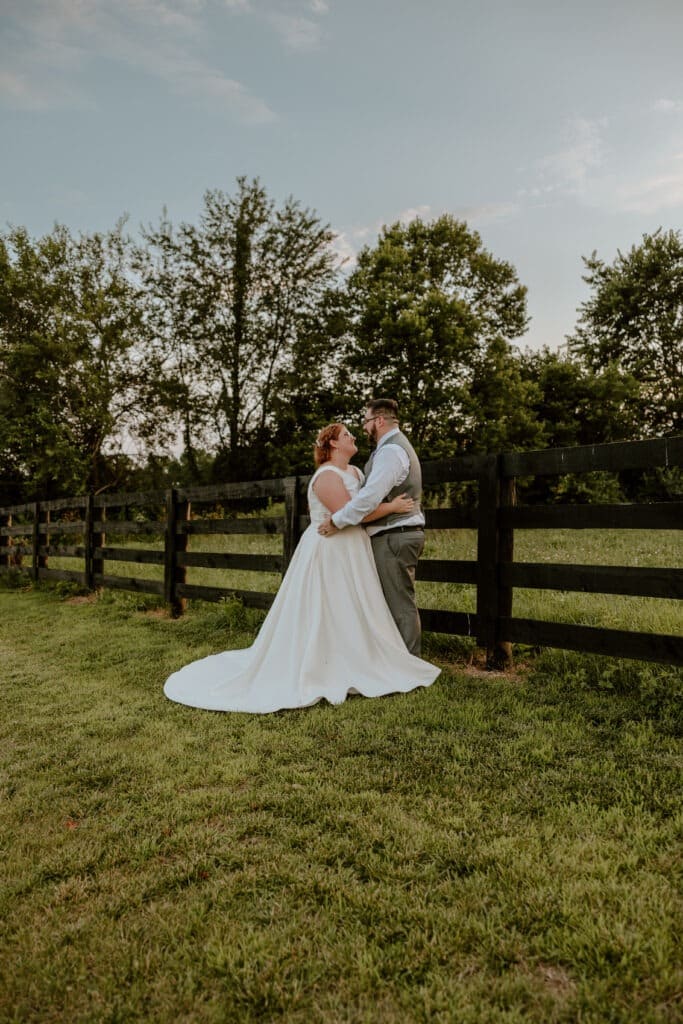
(633, 322)
(229, 300)
(423, 306)
(238, 336)
(71, 381)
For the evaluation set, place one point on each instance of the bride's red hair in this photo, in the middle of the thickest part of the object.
(322, 452)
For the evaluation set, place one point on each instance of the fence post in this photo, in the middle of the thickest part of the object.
(500, 655)
(174, 542)
(41, 519)
(35, 541)
(487, 575)
(291, 535)
(495, 545)
(94, 564)
(5, 521)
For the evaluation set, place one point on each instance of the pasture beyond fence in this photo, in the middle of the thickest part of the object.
(37, 531)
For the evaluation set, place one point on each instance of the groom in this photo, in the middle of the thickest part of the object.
(398, 539)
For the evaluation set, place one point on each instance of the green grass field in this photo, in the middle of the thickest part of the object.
(496, 848)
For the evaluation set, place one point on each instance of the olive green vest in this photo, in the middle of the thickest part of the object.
(412, 485)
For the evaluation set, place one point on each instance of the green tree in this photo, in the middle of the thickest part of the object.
(312, 390)
(174, 340)
(249, 279)
(575, 404)
(423, 307)
(73, 382)
(633, 322)
(501, 402)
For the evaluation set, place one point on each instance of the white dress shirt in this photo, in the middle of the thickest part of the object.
(389, 467)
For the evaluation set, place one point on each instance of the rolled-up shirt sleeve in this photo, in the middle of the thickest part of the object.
(389, 468)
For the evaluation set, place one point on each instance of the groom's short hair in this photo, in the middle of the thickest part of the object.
(386, 407)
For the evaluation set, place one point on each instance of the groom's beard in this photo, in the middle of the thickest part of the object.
(373, 435)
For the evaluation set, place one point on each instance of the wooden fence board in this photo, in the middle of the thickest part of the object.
(595, 579)
(253, 563)
(61, 574)
(435, 519)
(125, 499)
(61, 551)
(154, 528)
(234, 491)
(616, 643)
(250, 598)
(614, 457)
(450, 519)
(56, 527)
(445, 570)
(17, 510)
(434, 620)
(129, 583)
(464, 467)
(143, 556)
(665, 515)
(23, 530)
(18, 549)
(61, 504)
(267, 525)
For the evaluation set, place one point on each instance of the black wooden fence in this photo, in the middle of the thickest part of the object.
(26, 531)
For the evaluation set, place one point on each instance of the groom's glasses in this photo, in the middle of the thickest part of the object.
(370, 419)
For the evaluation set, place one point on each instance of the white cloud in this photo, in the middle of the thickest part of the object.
(296, 31)
(21, 91)
(486, 213)
(345, 251)
(665, 106)
(634, 169)
(225, 93)
(569, 168)
(295, 22)
(54, 41)
(653, 193)
(347, 243)
(414, 213)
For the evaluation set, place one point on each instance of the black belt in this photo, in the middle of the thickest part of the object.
(399, 529)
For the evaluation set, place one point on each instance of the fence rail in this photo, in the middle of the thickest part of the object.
(35, 530)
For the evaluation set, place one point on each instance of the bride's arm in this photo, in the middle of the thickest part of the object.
(331, 491)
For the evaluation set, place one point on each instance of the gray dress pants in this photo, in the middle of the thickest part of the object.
(396, 555)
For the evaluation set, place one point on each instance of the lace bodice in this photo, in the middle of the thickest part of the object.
(351, 482)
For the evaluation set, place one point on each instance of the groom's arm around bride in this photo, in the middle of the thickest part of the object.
(397, 539)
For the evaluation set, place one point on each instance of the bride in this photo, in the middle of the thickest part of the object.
(329, 631)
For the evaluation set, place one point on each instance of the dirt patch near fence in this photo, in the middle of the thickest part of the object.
(476, 669)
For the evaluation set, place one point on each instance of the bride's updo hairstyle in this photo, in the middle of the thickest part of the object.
(322, 451)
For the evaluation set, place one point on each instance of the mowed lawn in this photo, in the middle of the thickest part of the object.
(495, 848)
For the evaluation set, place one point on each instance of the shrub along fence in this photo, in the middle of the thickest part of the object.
(28, 531)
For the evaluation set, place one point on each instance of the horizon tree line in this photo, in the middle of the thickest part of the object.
(241, 335)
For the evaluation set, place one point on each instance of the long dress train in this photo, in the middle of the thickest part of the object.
(328, 633)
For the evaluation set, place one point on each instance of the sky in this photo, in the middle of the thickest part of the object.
(554, 129)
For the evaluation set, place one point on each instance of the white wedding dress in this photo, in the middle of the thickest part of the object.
(328, 633)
